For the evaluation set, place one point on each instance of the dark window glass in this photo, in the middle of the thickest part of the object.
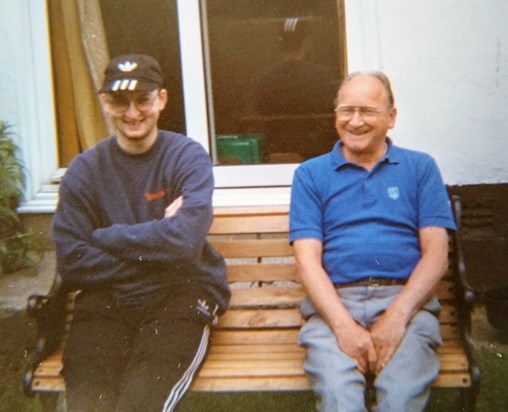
(274, 70)
(151, 27)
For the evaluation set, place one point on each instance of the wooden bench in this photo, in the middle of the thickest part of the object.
(254, 346)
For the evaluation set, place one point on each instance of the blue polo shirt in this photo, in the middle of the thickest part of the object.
(368, 221)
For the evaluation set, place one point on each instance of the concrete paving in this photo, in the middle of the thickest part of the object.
(17, 287)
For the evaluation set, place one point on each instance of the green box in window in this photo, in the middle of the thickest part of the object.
(244, 148)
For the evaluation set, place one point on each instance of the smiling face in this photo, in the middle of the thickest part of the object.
(134, 115)
(363, 118)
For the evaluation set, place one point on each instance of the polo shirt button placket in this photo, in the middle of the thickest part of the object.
(368, 196)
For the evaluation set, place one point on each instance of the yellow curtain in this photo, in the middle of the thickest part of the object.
(79, 56)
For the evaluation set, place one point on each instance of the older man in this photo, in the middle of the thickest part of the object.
(369, 222)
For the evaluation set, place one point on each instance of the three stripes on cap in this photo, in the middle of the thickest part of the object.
(125, 84)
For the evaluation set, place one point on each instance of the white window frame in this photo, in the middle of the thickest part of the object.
(236, 185)
(29, 63)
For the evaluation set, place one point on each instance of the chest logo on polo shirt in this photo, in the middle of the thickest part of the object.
(393, 192)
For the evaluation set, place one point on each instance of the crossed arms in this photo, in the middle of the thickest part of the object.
(93, 252)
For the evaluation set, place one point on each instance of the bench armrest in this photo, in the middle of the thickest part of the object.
(49, 312)
(466, 295)
(462, 276)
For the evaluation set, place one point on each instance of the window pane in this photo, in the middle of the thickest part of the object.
(150, 27)
(274, 68)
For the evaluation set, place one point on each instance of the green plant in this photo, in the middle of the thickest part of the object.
(16, 243)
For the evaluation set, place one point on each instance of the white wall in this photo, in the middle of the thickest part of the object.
(26, 101)
(448, 61)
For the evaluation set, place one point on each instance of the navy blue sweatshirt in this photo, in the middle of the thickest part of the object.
(109, 226)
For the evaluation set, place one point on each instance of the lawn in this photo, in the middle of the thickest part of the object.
(17, 332)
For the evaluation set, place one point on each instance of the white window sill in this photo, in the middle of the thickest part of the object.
(45, 201)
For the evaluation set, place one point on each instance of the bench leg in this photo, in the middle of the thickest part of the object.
(468, 398)
(52, 402)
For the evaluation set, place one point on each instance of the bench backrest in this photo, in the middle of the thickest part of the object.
(261, 271)
(265, 290)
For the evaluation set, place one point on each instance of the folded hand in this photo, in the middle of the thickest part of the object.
(174, 207)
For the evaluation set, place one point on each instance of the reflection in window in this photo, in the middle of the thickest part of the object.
(150, 27)
(274, 66)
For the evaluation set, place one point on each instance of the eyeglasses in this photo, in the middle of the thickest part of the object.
(366, 113)
(121, 101)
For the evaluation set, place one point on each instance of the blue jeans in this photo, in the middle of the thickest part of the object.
(402, 386)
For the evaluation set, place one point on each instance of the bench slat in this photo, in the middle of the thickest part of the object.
(270, 296)
(261, 272)
(451, 346)
(267, 318)
(257, 356)
(252, 384)
(48, 369)
(255, 348)
(256, 318)
(455, 362)
(48, 384)
(453, 380)
(451, 361)
(266, 337)
(252, 368)
(249, 224)
(283, 366)
(449, 332)
(253, 248)
(448, 313)
(236, 337)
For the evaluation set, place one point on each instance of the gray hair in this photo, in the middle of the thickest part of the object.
(383, 78)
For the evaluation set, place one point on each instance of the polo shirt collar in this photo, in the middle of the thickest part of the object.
(392, 155)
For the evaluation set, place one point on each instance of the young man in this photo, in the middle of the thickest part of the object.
(369, 222)
(130, 232)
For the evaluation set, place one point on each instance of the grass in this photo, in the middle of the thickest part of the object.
(493, 395)
(17, 332)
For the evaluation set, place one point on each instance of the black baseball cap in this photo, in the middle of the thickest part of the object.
(132, 72)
